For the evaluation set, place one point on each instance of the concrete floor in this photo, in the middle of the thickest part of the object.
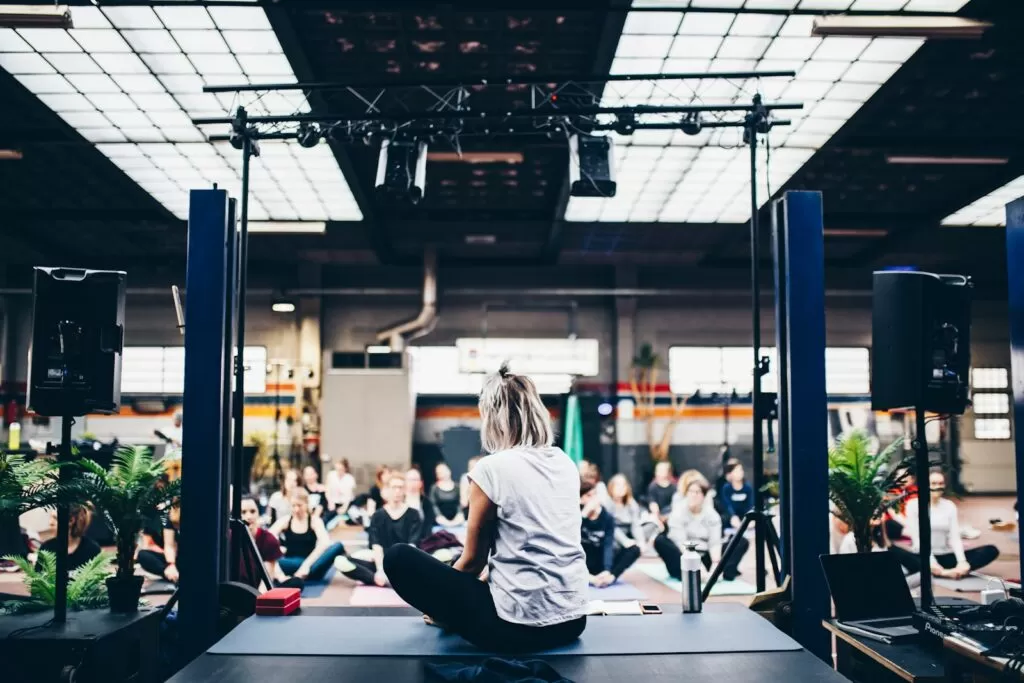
(976, 511)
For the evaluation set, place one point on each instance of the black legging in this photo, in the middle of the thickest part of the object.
(671, 556)
(976, 557)
(153, 562)
(363, 571)
(463, 604)
(623, 560)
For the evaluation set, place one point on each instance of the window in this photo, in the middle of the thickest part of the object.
(988, 428)
(435, 370)
(991, 403)
(161, 370)
(712, 369)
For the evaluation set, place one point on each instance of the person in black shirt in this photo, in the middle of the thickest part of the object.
(736, 494)
(308, 550)
(604, 562)
(394, 524)
(163, 562)
(660, 492)
(81, 548)
(415, 499)
(444, 495)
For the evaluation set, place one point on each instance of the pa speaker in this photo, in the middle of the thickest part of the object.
(591, 166)
(77, 341)
(921, 341)
(402, 170)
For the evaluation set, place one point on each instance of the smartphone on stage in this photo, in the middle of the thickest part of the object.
(650, 609)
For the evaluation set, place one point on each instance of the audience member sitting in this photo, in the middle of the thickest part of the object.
(415, 499)
(341, 487)
(280, 503)
(376, 491)
(266, 543)
(394, 524)
(590, 472)
(687, 478)
(895, 519)
(604, 563)
(630, 529)
(694, 522)
(308, 550)
(949, 559)
(724, 456)
(162, 561)
(661, 491)
(81, 548)
(317, 491)
(736, 495)
(446, 497)
(464, 486)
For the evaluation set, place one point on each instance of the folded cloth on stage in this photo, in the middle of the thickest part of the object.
(496, 670)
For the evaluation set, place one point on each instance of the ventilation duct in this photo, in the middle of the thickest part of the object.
(396, 336)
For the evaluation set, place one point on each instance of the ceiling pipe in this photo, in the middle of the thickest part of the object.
(398, 334)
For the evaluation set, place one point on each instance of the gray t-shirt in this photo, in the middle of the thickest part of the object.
(538, 572)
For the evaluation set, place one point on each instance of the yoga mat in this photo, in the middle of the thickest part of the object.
(314, 589)
(732, 629)
(620, 590)
(972, 583)
(375, 596)
(158, 587)
(721, 587)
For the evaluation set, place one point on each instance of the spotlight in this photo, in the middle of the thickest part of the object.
(283, 306)
(591, 166)
(605, 409)
(691, 124)
(308, 135)
(625, 124)
(402, 169)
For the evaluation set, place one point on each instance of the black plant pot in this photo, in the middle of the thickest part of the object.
(124, 593)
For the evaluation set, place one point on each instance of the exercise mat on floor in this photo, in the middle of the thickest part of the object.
(721, 587)
(719, 628)
(158, 587)
(375, 596)
(314, 589)
(972, 583)
(620, 590)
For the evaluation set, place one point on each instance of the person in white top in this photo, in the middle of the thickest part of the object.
(341, 487)
(524, 527)
(949, 559)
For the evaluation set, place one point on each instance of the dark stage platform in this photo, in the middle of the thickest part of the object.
(793, 666)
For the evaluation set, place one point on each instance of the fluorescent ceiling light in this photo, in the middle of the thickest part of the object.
(900, 26)
(990, 210)
(283, 306)
(35, 16)
(947, 161)
(292, 227)
(130, 79)
(10, 154)
(871, 233)
(668, 176)
(374, 348)
(480, 239)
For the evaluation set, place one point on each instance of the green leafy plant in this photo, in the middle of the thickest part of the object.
(862, 486)
(86, 585)
(130, 494)
(27, 484)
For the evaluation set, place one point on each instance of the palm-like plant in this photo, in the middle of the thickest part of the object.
(862, 486)
(86, 589)
(26, 484)
(132, 493)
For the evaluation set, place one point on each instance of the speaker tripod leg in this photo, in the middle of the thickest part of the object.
(727, 554)
(771, 540)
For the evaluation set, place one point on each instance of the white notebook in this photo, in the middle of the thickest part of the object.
(614, 607)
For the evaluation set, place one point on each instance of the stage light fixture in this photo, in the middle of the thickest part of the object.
(35, 16)
(308, 135)
(625, 124)
(402, 170)
(691, 124)
(591, 166)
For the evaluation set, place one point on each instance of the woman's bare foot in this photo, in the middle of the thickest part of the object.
(429, 621)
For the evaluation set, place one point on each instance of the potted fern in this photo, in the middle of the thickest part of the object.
(26, 484)
(862, 486)
(86, 589)
(130, 494)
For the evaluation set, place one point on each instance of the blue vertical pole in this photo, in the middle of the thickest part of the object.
(782, 372)
(806, 416)
(1015, 280)
(203, 501)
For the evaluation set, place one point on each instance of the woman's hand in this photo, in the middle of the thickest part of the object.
(938, 571)
(380, 579)
(171, 573)
(960, 571)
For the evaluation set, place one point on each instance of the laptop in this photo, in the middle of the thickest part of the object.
(871, 595)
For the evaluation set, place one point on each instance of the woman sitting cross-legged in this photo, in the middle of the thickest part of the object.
(606, 559)
(394, 524)
(308, 550)
(524, 515)
(693, 522)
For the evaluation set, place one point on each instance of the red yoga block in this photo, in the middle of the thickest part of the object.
(278, 602)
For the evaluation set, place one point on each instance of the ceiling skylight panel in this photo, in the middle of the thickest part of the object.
(644, 46)
(706, 24)
(990, 209)
(651, 23)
